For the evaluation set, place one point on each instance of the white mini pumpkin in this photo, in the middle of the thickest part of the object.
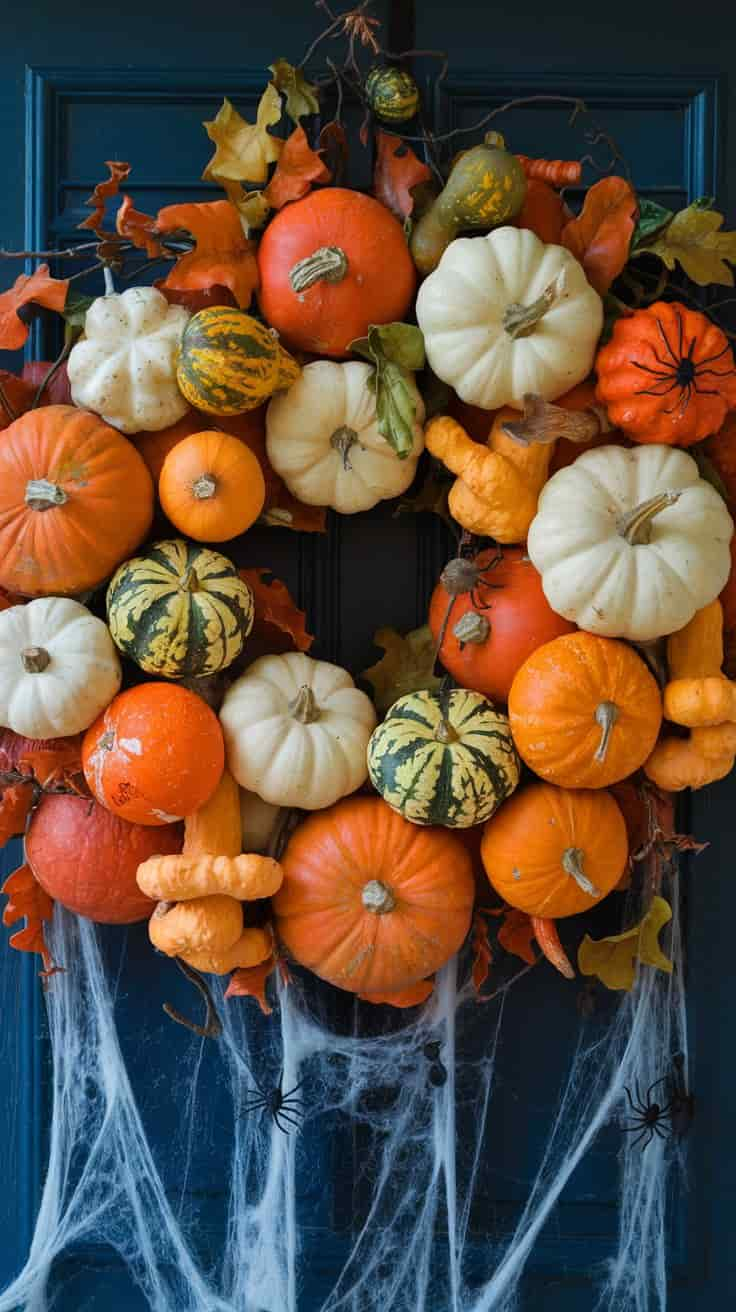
(631, 543)
(297, 730)
(124, 368)
(59, 668)
(506, 314)
(323, 439)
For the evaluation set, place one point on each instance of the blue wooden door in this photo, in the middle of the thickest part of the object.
(82, 85)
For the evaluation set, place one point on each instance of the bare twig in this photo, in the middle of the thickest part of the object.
(53, 371)
(212, 1027)
(70, 254)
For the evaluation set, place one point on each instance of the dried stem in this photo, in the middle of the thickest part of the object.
(212, 1027)
(53, 371)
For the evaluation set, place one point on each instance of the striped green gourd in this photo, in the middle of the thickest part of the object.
(229, 362)
(180, 611)
(393, 95)
(444, 758)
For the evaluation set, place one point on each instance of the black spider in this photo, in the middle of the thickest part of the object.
(280, 1106)
(680, 370)
(648, 1116)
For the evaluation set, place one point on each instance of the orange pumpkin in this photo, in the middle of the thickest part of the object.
(211, 487)
(370, 902)
(667, 375)
(75, 499)
(584, 711)
(156, 754)
(331, 265)
(554, 852)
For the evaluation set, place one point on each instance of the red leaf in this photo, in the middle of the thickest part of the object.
(601, 235)
(58, 391)
(279, 623)
(516, 933)
(40, 289)
(26, 899)
(297, 168)
(138, 228)
(222, 256)
(482, 954)
(333, 143)
(15, 804)
(397, 171)
(281, 508)
(200, 299)
(49, 760)
(102, 193)
(250, 982)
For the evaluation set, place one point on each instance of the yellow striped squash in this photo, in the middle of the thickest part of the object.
(444, 758)
(180, 611)
(230, 362)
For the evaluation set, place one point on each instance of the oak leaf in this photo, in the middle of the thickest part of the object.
(15, 807)
(693, 240)
(26, 899)
(223, 255)
(301, 96)
(406, 666)
(38, 288)
(600, 236)
(397, 170)
(243, 151)
(119, 172)
(298, 167)
(138, 228)
(278, 621)
(614, 959)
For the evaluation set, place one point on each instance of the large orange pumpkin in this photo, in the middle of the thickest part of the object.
(555, 852)
(86, 858)
(211, 486)
(370, 902)
(331, 265)
(156, 754)
(75, 499)
(584, 711)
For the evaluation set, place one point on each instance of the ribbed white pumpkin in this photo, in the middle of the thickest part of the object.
(477, 335)
(323, 439)
(297, 730)
(124, 368)
(59, 668)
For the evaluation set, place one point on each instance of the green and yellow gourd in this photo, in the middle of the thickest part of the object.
(393, 95)
(180, 611)
(229, 362)
(486, 187)
(443, 758)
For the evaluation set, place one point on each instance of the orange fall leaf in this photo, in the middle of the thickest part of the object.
(297, 169)
(222, 256)
(103, 191)
(278, 621)
(250, 982)
(15, 805)
(482, 953)
(137, 228)
(26, 899)
(397, 171)
(601, 234)
(39, 288)
(516, 933)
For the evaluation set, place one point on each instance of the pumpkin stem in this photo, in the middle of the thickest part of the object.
(342, 440)
(34, 659)
(572, 864)
(328, 264)
(189, 581)
(636, 526)
(43, 495)
(472, 627)
(304, 707)
(606, 715)
(520, 320)
(459, 576)
(204, 487)
(444, 733)
(377, 897)
(544, 423)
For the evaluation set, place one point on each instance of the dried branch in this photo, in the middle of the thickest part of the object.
(212, 1028)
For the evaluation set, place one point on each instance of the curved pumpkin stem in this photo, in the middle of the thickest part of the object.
(545, 932)
(212, 1028)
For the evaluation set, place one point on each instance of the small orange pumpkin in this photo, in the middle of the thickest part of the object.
(584, 711)
(211, 487)
(554, 852)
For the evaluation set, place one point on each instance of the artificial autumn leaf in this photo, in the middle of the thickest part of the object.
(278, 621)
(222, 256)
(250, 982)
(301, 96)
(286, 512)
(57, 390)
(298, 167)
(26, 899)
(119, 172)
(50, 761)
(138, 228)
(693, 240)
(406, 666)
(38, 288)
(15, 807)
(243, 151)
(252, 206)
(516, 933)
(482, 952)
(652, 217)
(333, 144)
(600, 237)
(395, 349)
(397, 171)
(614, 959)
(16, 396)
(201, 298)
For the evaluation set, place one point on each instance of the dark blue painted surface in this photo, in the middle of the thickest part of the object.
(136, 86)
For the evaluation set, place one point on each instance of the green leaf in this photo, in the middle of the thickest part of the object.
(407, 665)
(652, 217)
(693, 240)
(301, 96)
(75, 310)
(396, 350)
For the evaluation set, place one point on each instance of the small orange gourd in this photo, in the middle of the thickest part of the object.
(211, 486)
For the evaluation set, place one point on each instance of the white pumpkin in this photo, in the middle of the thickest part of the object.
(124, 368)
(323, 439)
(630, 543)
(59, 668)
(297, 731)
(258, 820)
(506, 314)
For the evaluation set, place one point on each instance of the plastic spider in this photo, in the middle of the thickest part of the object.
(280, 1106)
(648, 1115)
(680, 371)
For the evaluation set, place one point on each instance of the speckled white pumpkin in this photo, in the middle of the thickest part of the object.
(124, 368)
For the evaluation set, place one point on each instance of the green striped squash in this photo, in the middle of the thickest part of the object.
(229, 362)
(393, 95)
(180, 611)
(443, 758)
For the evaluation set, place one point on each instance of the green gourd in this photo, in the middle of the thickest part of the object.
(392, 93)
(486, 188)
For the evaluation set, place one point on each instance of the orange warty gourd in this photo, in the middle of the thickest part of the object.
(75, 499)
(554, 852)
(584, 711)
(211, 487)
(371, 902)
(156, 754)
(331, 265)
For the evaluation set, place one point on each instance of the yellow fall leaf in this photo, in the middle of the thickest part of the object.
(243, 151)
(614, 959)
(406, 666)
(252, 206)
(693, 240)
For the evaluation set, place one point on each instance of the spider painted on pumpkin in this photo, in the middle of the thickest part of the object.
(650, 1117)
(680, 370)
(278, 1105)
